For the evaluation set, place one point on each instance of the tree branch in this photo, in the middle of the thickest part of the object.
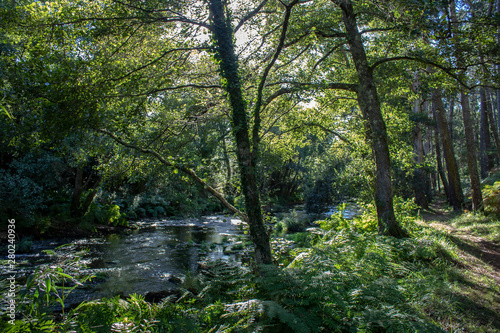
(421, 60)
(340, 136)
(375, 30)
(326, 56)
(333, 34)
(154, 91)
(325, 129)
(299, 86)
(158, 59)
(250, 15)
(191, 173)
(260, 89)
(179, 18)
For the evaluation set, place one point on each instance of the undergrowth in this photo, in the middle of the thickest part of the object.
(487, 227)
(342, 277)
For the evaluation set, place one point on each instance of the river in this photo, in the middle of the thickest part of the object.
(155, 256)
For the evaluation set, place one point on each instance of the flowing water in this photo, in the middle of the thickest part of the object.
(155, 256)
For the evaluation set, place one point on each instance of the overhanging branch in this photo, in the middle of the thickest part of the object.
(190, 172)
(424, 61)
(154, 91)
(300, 86)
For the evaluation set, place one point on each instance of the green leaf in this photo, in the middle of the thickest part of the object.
(6, 112)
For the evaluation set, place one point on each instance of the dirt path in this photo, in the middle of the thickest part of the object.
(480, 253)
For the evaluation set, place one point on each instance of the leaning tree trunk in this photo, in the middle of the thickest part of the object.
(370, 107)
(456, 197)
(228, 62)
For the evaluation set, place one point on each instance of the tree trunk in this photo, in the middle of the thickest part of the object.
(477, 198)
(498, 69)
(498, 73)
(419, 175)
(227, 162)
(441, 172)
(455, 188)
(223, 37)
(77, 193)
(475, 183)
(90, 197)
(486, 160)
(370, 107)
(450, 122)
(491, 120)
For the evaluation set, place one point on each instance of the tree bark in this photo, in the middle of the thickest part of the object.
(498, 70)
(450, 122)
(90, 196)
(227, 162)
(491, 120)
(455, 188)
(441, 172)
(370, 107)
(486, 160)
(475, 183)
(228, 62)
(419, 174)
(498, 101)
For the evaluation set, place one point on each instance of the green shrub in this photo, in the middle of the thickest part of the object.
(366, 222)
(491, 198)
(108, 214)
(294, 222)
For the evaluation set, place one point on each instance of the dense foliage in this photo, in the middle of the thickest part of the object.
(112, 111)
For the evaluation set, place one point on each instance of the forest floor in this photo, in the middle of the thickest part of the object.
(477, 268)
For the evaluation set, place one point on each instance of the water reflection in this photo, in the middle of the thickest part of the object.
(152, 258)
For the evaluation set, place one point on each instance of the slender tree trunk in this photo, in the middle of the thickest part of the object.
(450, 121)
(491, 120)
(455, 189)
(475, 183)
(229, 173)
(223, 37)
(370, 107)
(498, 70)
(484, 137)
(498, 102)
(77, 193)
(90, 196)
(477, 198)
(419, 175)
(440, 168)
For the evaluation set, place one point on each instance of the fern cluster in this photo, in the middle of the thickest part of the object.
(328, 280)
